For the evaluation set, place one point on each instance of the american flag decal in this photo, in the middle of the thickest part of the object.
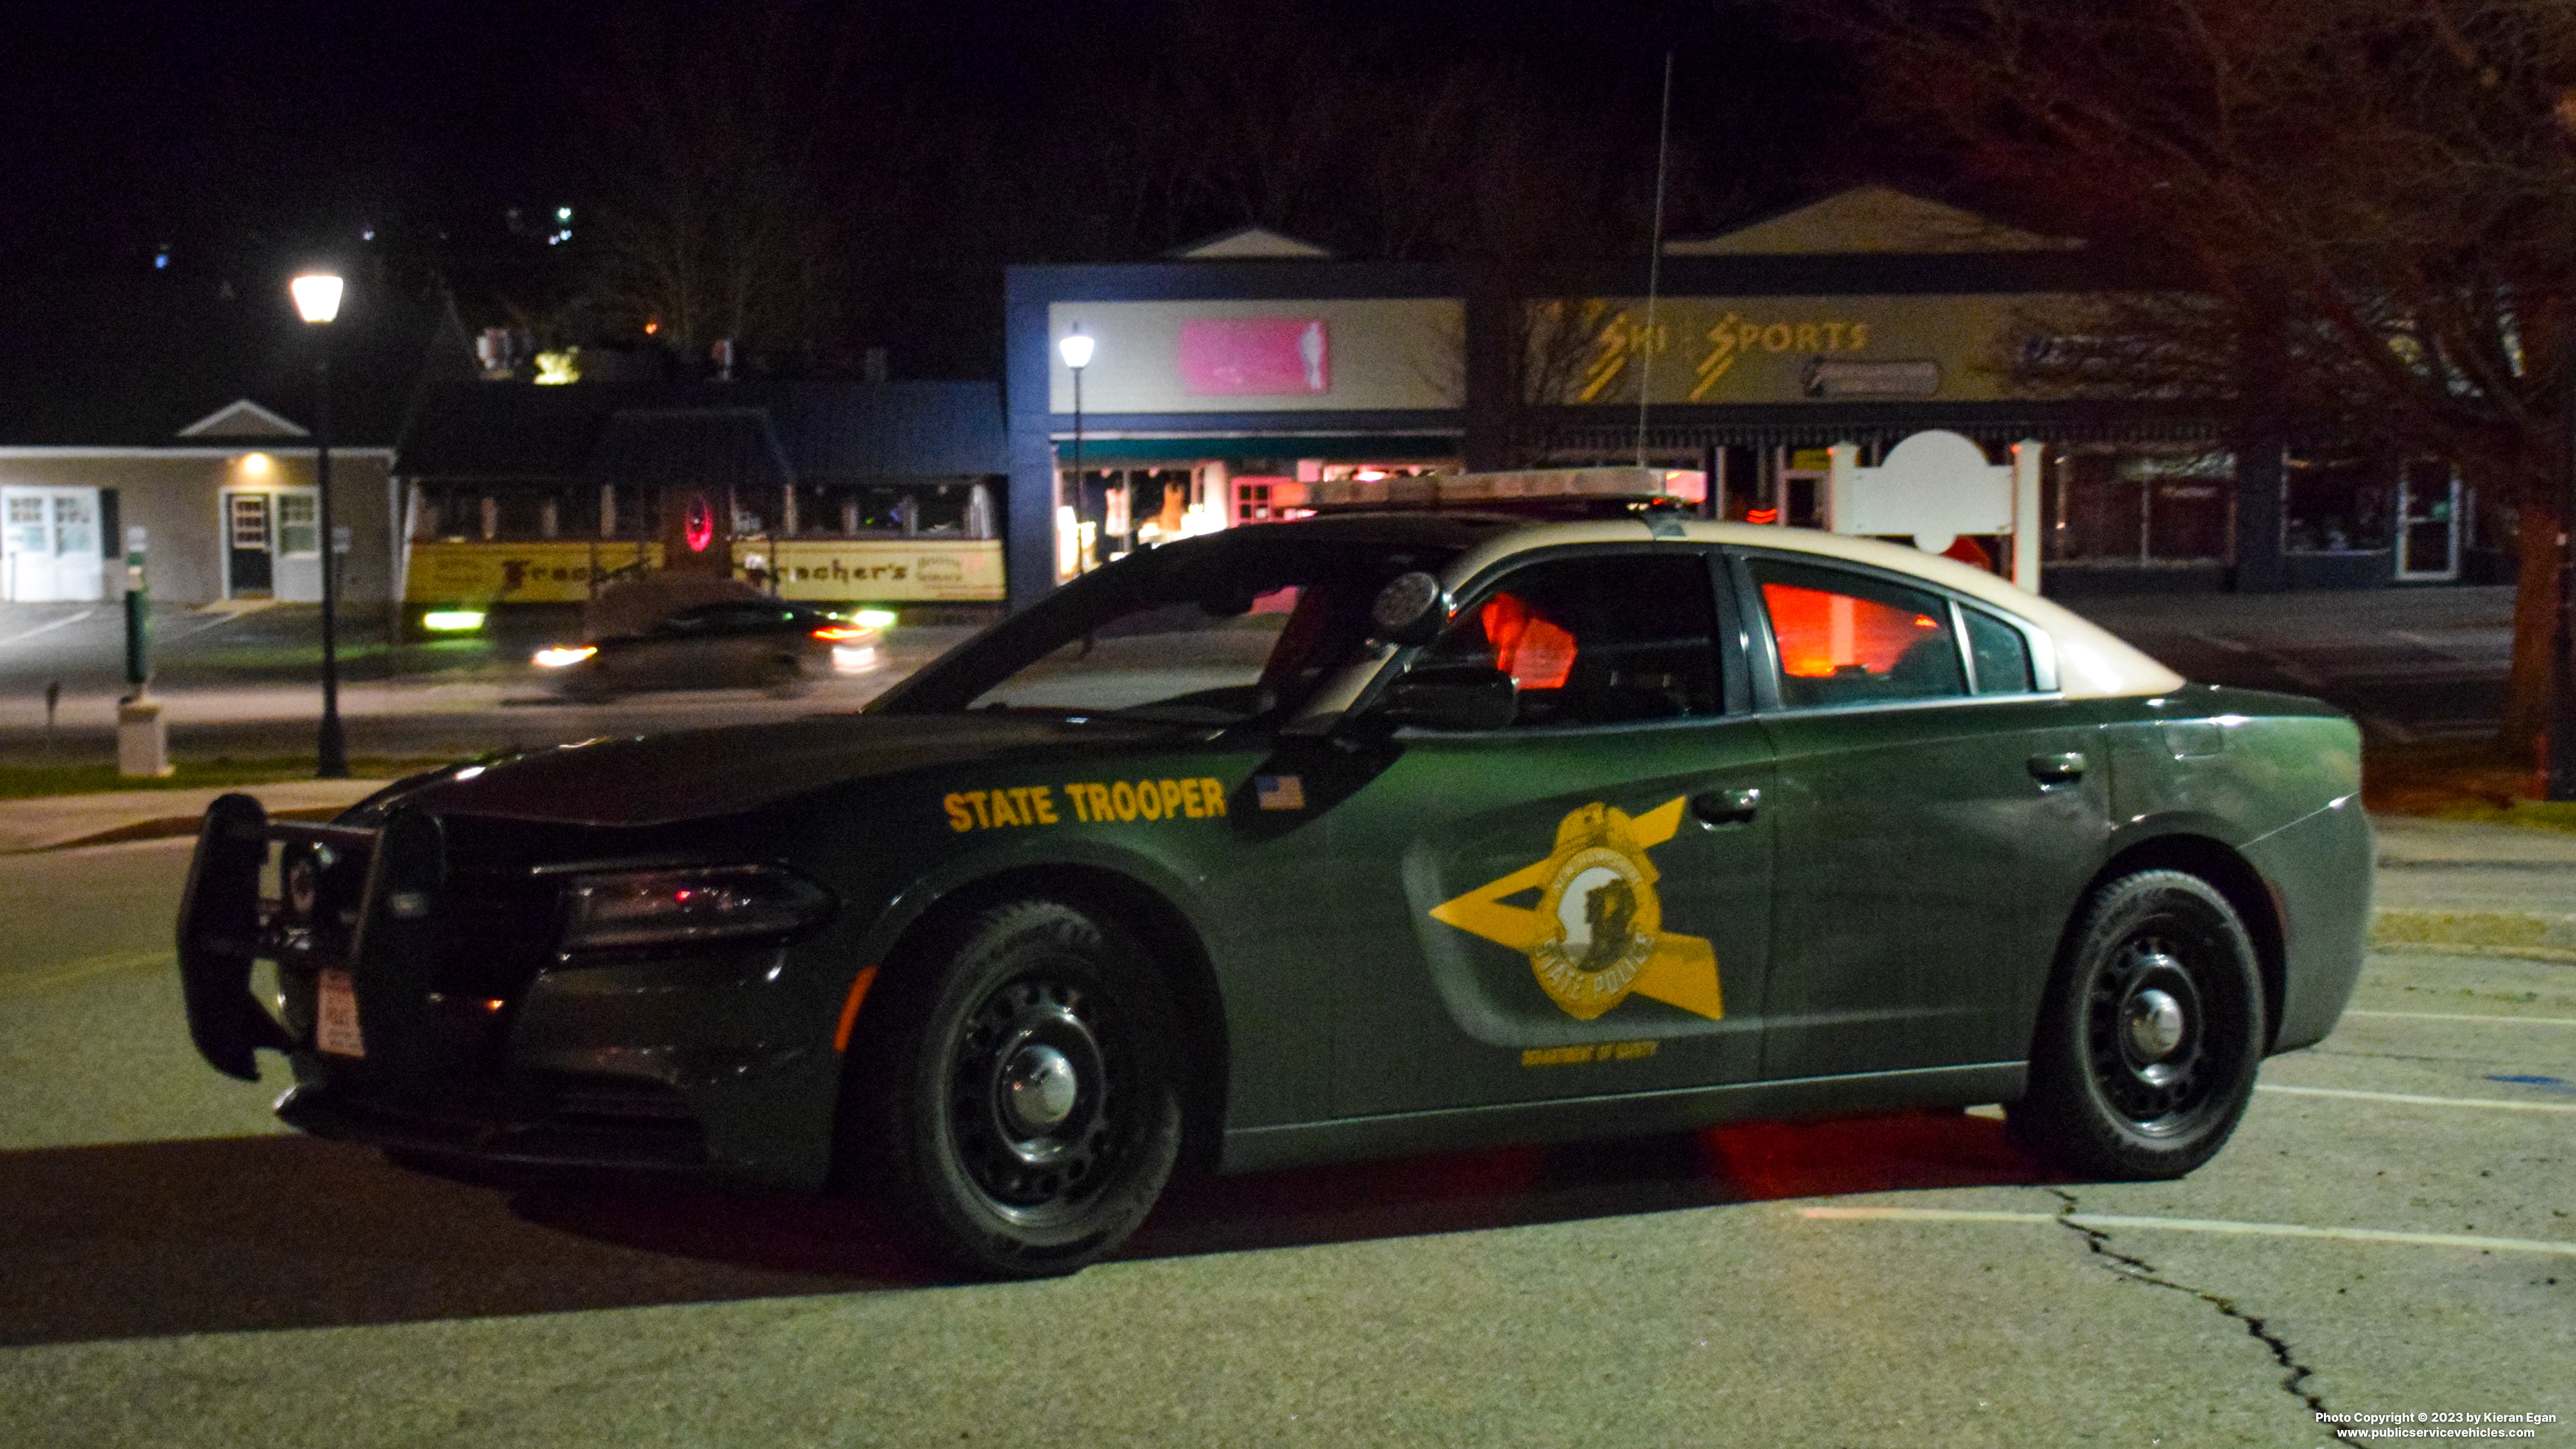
(1279, 792)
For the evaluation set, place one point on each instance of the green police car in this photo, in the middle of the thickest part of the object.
(1361, 835)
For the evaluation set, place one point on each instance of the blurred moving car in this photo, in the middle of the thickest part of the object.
(1363, 835)
(756, 643)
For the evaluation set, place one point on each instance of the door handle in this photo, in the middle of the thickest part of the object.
(1726, 807)
(2057, 769)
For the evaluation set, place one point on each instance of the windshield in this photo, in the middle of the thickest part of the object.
(1215, 631)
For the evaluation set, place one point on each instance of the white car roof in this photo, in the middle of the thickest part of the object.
(2092, 662)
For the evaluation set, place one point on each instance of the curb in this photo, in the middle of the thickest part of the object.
(167, 827)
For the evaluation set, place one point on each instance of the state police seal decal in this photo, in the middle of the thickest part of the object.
(1596, 935)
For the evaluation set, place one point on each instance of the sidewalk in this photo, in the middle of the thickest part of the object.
(57, 822)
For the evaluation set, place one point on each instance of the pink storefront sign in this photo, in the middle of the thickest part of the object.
(1254, 356)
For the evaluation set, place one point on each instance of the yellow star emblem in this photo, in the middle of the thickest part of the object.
(1596, 934)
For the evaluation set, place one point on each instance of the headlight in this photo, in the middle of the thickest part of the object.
(560, 655)
(676, 907)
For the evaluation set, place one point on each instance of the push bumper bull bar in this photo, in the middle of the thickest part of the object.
(371, 915)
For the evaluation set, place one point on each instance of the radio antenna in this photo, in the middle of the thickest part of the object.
(1655, 258)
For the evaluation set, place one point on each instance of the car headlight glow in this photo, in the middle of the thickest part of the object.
(689, 904)
(452, 621)
(559, 656)
(876, 618)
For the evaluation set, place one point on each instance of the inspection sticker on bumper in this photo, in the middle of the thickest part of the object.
(335, 1024)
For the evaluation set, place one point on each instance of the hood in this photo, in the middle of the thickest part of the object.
(661, 779)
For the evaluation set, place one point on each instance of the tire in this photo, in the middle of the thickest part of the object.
(2149, 1035)
(1016, 1101)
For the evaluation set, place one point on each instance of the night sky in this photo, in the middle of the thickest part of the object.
(243, 138)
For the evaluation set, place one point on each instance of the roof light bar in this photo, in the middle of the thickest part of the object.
(1528, 485)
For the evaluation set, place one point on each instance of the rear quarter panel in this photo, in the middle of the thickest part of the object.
(2277, 780)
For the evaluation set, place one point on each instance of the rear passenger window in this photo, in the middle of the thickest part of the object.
(1603, 639)
(1848, 639)
(1998, 654)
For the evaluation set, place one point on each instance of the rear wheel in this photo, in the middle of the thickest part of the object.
(1016, 1102)
(2150, 1033)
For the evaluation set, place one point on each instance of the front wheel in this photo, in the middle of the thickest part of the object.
(2149, 1036)
(1017, 1102)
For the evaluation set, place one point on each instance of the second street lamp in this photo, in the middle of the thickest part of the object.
(1076, 350)
(317, 301)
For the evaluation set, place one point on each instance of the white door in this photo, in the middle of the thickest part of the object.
(299, 546)
(2428, 520)
(50, 550)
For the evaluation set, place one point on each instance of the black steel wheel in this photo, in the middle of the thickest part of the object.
(2149, 1035)
(1024, 1109)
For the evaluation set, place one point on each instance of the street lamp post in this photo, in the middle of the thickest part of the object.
(317, 301)
(1076, 350)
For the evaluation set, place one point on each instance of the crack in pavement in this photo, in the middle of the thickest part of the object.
(2294, 1376)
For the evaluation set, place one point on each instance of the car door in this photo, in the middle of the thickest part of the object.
(1936, 810)
(1576, 903)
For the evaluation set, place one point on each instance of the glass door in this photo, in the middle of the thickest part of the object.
(51, 545)
(248, 567)
(2428, 521)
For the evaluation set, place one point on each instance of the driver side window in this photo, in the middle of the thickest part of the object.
(1597, 639)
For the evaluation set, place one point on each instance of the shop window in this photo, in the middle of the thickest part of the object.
(1608, 639)
(1265, 499)
(2139, 505)
(2338, 503)
(1846, 639)
(298, 523)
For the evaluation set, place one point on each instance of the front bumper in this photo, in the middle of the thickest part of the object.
(495, 1133)
(473, 1041)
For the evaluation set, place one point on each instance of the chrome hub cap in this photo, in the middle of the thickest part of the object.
(2155, 1025)
(1039, 1087)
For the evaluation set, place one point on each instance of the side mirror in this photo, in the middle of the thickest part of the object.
(1411, 609)
(1451, 697)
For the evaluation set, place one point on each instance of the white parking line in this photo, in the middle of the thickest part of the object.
(2106, 1221)
(2414, 1101)
(47, 628)
(12, 984)
(2448, 1016)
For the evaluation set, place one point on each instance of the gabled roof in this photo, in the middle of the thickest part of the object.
(1869, 219)
(1250, 243)
(242, 418)
(755, 430)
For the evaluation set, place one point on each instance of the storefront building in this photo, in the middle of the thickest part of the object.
(837, 492)
(228, 506)
(1225, 379)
